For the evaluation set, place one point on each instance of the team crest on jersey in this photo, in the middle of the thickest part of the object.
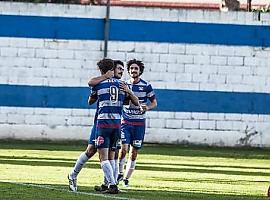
(141, 88)
(99, 140)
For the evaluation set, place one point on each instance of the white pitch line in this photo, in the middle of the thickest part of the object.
(64, 190)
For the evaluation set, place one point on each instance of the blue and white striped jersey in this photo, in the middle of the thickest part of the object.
(110, 103)
(131, 113)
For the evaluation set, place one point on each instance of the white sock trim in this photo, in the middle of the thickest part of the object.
(131, 164)
(104, 162)
(130, 169)
(108, 171)
(121, 165)
(83, 158)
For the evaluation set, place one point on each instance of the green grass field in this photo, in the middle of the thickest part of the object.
(38, 170)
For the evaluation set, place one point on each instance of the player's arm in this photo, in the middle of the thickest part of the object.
(96, 80)
(92, 98)
(152, 97)
(134, 99)
(126, 101)
(150, 106)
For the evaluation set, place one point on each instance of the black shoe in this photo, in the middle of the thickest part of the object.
(101, 188)
(119, 178)
(125, 182)
(113, 189)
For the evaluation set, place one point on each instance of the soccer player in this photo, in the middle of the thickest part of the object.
(133, 120)
(91, 149)
(111, 94)
(118, 72)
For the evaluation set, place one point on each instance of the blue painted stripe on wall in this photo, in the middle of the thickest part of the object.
(213, 101)
(179, 100)
(134, 30)
(47, 97)
(195, 33)
(51, 27)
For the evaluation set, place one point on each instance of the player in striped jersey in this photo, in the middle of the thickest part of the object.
(91, 149)
(111, 94)
(118, 72)
(133, 120)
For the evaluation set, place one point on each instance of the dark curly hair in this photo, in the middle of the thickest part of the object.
(137, 62)
(118, 62)
(105, 65)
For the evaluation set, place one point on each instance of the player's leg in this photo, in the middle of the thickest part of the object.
(116, 146)
(112, 161)
(106, 165)
(103, 187)
(131, 163)
(137, 138)
(103, 145)
(83, 158)
(116, 171)
(114, 138)
(122, 161)
(107, 157)
(112, 187)
(125, 138)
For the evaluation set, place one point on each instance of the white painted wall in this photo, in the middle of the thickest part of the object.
(48, 62)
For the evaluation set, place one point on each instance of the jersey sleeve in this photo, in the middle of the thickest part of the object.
(94, 90)
(150, 93)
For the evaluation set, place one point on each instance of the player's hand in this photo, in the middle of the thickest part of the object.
(124, 87)
(143, 108)
(109, 74)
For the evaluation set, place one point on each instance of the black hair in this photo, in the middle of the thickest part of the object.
(105, 65)
(118, 62)
(137, 62)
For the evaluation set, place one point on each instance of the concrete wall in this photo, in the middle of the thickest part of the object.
(210, 71)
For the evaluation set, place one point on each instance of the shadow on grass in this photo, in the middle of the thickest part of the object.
(190, 195)
(43, 145)
(140, 164)
(205, 151)
(151, 167)
(208, 180)
(45, 162)
(202, 165)
(52, 192)
(209, 170)
(37, 158)
(150, 149)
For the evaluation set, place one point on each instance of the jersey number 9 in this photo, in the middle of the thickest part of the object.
(113, 94)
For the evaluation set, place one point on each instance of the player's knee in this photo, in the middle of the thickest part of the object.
(122, 153)
(90, 151)
(133, 157)
(134, 153)
(116, 153)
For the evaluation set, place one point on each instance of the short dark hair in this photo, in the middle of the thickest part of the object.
(137, 62)
(118, 62)
(105, 65)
